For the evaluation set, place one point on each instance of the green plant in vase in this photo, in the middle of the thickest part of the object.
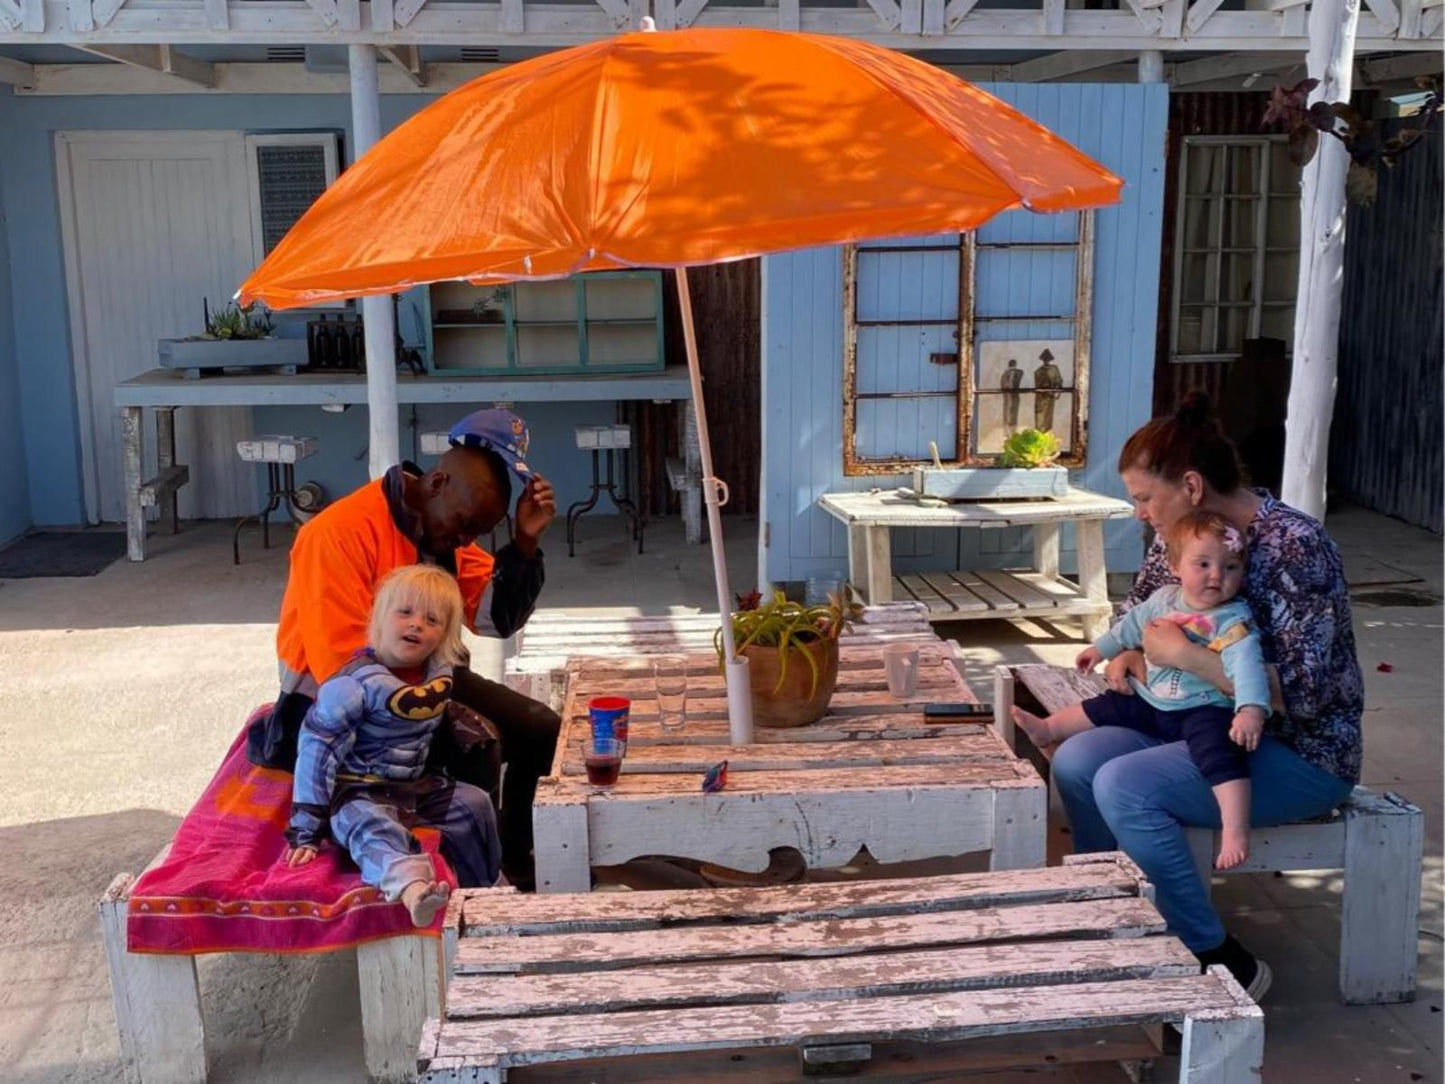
(792, 653)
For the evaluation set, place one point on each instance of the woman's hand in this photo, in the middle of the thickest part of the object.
(1165, 643)
(1248, 725)
(1121, 667)
(299, 856)
(1087, 660)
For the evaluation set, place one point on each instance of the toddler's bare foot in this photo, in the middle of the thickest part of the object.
(423, 899)
(1038, 730)
(1233, 847)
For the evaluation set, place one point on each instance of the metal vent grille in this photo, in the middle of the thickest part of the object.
(285, 54)
(291, 178)
(480, 54)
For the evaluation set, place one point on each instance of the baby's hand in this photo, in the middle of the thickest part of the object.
(1247, 727)
(299, 856)
(1088, 659)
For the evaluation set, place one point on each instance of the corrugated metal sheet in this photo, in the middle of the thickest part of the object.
(1386, 439)
(727, 308)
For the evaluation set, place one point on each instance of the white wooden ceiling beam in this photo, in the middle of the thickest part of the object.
(156, 58)
(1070, 63)
(91, 80)
(1049, 25)
(408, 59)
(1394, 68)
(16, 73)
(1193, 72)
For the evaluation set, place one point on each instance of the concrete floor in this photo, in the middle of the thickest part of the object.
(123, 690)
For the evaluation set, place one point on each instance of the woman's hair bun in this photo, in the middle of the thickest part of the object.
(1196, 411)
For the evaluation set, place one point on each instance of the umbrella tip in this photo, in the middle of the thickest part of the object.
(647, 24)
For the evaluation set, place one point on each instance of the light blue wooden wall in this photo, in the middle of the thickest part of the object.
(1120, 125)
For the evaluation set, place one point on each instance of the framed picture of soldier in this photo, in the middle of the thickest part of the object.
(1023, 384)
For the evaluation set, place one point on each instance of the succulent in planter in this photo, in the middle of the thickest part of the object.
(1030, 448)
(774, 635)
(237, 321)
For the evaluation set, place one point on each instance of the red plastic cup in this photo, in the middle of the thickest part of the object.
(609, 717)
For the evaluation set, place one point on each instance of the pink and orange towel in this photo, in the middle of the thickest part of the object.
(222, 887)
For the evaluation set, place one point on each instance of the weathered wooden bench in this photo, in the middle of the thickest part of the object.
(539, 667)
(949, 974)
(1376, 840)
(157, 1000)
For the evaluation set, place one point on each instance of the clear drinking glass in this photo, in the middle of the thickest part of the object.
(669, 673)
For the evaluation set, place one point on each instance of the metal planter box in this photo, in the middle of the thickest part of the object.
(193, 355)
(990, 483)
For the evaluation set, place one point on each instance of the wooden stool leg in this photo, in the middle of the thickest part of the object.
(1226, 1046)
(157, 1002)
(401, 985)
(165, 458)
(135, 516)
(563, 851)
(1093, 577)
(1380, 912)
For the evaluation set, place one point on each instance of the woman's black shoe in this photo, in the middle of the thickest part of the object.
(1252, 973)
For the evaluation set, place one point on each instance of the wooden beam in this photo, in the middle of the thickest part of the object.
(1053, 17)
(16, 72)
(888, 11)
(1225, 67)
(1146, 12)
(1045, 69)
(10, 14)
(405, 11)
(1199, 13)
(103, 11)
(408, 59)
(956, 11)
(933, 16)
(1394, 68)
(687, 13)
(86, 80)
(33, 13)
(326, 9)
(218, 15)
(156, 58)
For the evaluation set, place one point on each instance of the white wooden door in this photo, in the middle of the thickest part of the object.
(154, 222)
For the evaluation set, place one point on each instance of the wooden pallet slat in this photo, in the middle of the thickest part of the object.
(996, 599)
(961, 598)
(1104, 918)
(1026, 595)
(924, 592)
(978, 748)
(829, 979)
(493, 912)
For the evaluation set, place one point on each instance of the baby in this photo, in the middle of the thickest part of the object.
(1208, 556)
(361, 757)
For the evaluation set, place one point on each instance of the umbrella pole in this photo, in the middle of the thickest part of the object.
(740, 700)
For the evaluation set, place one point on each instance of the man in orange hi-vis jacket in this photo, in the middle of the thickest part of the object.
(410, 516)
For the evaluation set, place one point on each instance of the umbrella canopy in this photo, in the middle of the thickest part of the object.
(668, 149)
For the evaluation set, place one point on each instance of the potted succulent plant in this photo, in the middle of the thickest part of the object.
(236, 336)
(1025, 469)
(792, 653)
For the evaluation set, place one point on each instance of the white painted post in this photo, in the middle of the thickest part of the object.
(1151, 66)
(1321, 268)
(401, 981)
(376, 311)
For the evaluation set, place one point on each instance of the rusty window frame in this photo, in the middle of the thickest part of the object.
(963, 455)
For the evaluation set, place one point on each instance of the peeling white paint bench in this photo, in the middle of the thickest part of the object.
(952, 974)
(539, 667)
(157, 999)
(1376, 840)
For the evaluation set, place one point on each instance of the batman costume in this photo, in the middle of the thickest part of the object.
(361, 772)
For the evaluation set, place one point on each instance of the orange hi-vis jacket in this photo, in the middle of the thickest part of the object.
(338, 560)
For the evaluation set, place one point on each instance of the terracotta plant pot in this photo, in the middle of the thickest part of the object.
(792, 705)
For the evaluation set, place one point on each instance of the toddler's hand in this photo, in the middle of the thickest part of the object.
(1247, 727)
(1088, 660)
(299, 856)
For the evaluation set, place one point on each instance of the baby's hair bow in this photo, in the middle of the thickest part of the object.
(1232, 542)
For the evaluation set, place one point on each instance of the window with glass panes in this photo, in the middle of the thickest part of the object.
(1236, 246)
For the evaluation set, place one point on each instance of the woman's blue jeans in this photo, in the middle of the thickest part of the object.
(1127, 791)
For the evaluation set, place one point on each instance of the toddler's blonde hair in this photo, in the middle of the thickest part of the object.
(427, 588)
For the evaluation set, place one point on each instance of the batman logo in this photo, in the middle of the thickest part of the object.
(417, 703)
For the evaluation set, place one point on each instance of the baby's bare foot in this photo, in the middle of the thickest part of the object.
(1233, 848)
(423, 899)
(1038, 730)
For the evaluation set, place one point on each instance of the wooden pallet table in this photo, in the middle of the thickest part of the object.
(971, 595)
(870, 773)
(551, 637)
(922, 979)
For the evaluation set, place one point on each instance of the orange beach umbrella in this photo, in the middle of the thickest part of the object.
(669, 149)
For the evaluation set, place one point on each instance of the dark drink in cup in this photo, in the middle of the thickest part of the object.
(603, 761)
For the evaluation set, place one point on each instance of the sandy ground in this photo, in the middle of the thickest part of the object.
(122, 691)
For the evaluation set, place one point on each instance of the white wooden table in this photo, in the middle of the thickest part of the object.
(932, 978)
(966, 594)
(871, 773)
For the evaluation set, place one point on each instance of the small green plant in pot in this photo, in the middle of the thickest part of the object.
(792, 653)
(1030, 448)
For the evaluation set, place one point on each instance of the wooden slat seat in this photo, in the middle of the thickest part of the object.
(954, 974)
(1376, 839)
